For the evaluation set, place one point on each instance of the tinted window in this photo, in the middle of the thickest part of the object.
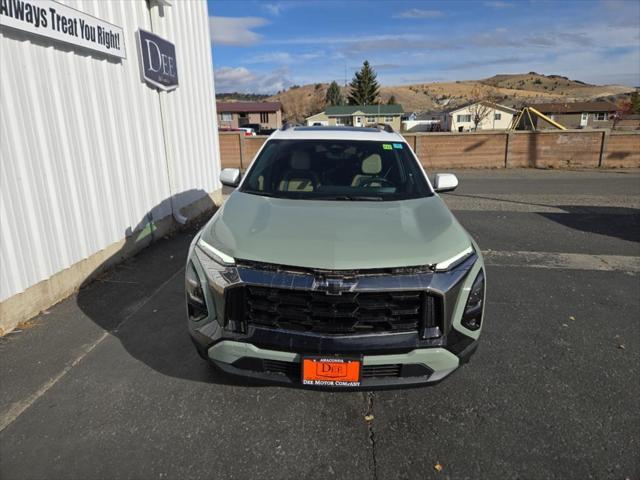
(336, 170)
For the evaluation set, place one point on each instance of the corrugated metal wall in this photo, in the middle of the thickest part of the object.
(83, 159)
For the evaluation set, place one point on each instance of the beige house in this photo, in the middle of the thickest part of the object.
(492, 117)
(359, 116)
(268, 115)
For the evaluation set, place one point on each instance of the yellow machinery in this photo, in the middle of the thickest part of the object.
(524, 120)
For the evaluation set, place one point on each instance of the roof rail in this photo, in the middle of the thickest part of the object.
(385, 126)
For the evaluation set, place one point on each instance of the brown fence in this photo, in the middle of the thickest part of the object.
(548, 149)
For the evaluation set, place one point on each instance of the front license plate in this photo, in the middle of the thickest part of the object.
(331, 372)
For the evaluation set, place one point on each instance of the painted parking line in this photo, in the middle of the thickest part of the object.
(564, 261)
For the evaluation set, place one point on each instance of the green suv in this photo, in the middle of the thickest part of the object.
(335, 264)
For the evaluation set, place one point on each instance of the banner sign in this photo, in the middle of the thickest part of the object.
(54, 20)
(158, 60)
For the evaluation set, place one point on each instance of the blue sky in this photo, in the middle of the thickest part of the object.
(265, 46)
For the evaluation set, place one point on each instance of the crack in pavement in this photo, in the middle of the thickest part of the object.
(369, 397)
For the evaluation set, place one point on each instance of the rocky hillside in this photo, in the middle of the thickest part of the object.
(512, 90)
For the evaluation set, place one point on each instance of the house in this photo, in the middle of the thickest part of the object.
(237, 114)
(578, 114)
(492, 117)
(424, 122)
(359, 115)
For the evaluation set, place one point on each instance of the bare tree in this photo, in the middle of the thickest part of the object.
(484, 104)
(479, 111)
(623, 107)
(295, 108)
(318, 101)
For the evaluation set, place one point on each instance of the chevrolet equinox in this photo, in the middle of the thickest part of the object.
(335, 264)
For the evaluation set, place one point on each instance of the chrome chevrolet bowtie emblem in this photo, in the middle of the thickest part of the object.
(334, 286)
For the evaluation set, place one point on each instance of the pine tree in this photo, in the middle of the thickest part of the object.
(364, 87)
(392, 100)
(334, 95)
(635, 102)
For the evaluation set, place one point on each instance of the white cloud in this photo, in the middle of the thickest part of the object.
(284, 57)
(241, 79)
(271, 57)
(272, 8)
(232, 75)
(419, 13)
(498, 4)
(235, 30)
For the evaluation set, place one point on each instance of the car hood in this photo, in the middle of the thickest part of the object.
(336, 235)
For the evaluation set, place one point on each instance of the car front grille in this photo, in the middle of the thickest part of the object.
(348, 313)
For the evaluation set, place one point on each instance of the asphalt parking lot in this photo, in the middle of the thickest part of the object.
(106, 384)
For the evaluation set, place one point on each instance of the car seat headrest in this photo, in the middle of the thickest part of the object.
(372, 165)
(300, 160)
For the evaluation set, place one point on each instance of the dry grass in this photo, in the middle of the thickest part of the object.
(511, 89)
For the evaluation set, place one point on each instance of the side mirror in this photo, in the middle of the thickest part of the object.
(230, 177)
(445, 182)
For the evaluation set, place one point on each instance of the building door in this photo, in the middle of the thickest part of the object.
(357, 122)
(584, 119)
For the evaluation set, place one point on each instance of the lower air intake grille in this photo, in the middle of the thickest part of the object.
(292, 369)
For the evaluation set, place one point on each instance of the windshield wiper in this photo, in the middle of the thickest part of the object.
(351, 198)
(262, 194)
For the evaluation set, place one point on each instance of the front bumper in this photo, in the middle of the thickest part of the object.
(274, 354)
(417, 367)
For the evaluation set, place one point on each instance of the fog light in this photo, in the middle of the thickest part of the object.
(196, 305)
(472, 316)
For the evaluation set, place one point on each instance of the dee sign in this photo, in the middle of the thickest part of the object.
(158, 61)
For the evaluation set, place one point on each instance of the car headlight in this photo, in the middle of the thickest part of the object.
(196, 304)
(219, 272)
(215, 254)
(472, 316)
(453, 261)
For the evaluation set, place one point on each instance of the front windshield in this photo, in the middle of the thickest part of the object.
(336, 170)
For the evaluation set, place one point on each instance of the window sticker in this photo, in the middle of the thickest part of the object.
(386, 146)
(397, 145)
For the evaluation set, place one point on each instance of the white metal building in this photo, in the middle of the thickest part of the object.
(94, 160)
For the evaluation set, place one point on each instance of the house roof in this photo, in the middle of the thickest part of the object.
(341, 110)
(317, 116)
(495, 106)
(575, 107)
(248, 107)
(429, 115)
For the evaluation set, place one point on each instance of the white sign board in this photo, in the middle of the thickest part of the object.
(54, 20)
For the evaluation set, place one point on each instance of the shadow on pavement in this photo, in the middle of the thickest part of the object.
(618, 222)
(141, 300)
